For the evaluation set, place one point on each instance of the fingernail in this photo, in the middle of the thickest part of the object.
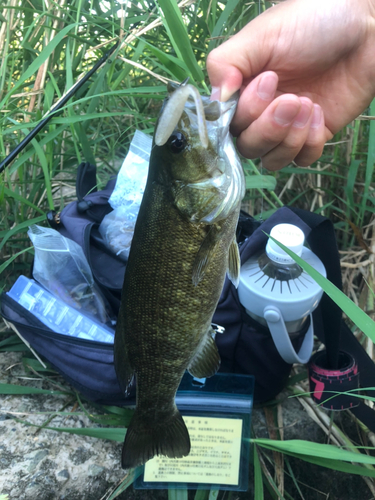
(267, 87)
(285, 112)
(226, 93)
(215, 94)
(303, 115)
(317, 116)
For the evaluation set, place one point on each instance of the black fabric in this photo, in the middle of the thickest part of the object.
(247, 347)
(87, 366)
(86, 180)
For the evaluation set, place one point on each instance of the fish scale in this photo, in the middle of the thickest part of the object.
(173, 280)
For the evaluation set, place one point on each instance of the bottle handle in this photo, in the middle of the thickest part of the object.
(280, 336)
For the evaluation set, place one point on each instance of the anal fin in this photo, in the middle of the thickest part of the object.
(206, 362)
(234, 263)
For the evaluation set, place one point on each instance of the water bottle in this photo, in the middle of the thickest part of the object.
(279, 294)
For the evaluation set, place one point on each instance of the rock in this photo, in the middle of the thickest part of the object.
(80, 455)
(62, 476)
(95, 470)
(35, 457)
(38, 491)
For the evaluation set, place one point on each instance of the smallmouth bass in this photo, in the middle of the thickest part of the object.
(183, 245)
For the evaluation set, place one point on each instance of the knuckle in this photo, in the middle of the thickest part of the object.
(313, 142)
(269, 137)
(293, 145)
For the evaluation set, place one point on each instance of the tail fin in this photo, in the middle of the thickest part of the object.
(169, 438)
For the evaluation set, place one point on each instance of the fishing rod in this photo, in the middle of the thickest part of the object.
(55, 109)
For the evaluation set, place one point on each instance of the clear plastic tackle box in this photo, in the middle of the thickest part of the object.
(56, 314)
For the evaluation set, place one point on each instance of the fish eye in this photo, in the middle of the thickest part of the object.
(177, 142)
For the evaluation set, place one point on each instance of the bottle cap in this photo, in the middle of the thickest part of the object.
(289, 235)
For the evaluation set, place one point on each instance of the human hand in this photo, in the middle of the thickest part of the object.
(306, 68)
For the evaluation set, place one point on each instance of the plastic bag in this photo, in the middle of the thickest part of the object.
(62, 268)
(117, 227)
(132, 177)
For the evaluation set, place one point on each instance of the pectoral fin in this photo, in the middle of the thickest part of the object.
(206, 362)
(234, 263)
(205, 254)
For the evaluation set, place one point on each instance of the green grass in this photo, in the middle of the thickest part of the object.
(44, 50)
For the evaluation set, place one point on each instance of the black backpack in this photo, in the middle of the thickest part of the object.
(246, 347)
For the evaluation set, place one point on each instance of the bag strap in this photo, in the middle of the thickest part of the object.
(322, 230)
(339, 335)
(92, 204)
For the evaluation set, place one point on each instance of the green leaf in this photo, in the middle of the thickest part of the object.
(305, 170)
(21, 199)
(128, 67)
(214, 493)
(5, 264)
(293, 477)
(201, 494)
(21, 390)
(111, 433)
(311, 449)
(359, 317)
(91, 116)
(258, 480)
(16, 348)
(129, 479)
(352, 175)
(260, 182)
(35, 364)
(50, 136)
(85, 144)
(179, 38)
(35, 65)
(19, 227)
(220, 25)
(336, 465)
(43, 163)
(173, 65)
(178, 494)
(370, 164)
(13, 339)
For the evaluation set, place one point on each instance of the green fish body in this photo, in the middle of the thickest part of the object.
(183, 245)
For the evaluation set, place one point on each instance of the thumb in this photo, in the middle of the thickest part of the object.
(240, 58)
(225, 77)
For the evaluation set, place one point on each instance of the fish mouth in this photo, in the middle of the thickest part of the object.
(172, 112)
(186, 97)
(212, 120)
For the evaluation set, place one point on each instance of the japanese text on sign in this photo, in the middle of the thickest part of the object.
(214, 457)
